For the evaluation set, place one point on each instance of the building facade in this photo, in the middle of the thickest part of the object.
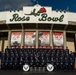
(38, 26)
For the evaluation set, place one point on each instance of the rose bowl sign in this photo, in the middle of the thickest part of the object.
(37, 15)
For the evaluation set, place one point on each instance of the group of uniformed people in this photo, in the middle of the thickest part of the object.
(15, 58)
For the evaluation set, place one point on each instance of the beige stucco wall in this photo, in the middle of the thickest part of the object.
(3, 41)
(0, 45)
(70, 44)
(5, 44)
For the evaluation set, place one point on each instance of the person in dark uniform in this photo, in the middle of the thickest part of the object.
(6, 50)
(7, 56)
(2, 63)
(26, 61)
(11, 63)
(62, 60)
(47, 60)
(71, 66)
(6, 64)
(66, 66)
(72, 56)
(53, 55)
(15, 64)
(52, 60)
(66, 60)
(63, 66)
(37, 60)
(67, 50)
(20, 63)
(57, 63)
(3, 56)
(32, 63)
(57, 55)
(71, 63)
(43, 63)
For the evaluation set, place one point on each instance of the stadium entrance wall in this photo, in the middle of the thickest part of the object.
(3, 40)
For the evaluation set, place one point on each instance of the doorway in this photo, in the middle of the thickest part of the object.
(3, 40)
(70, 41)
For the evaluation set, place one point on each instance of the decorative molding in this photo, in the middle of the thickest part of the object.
(71, 23)
(2, 22)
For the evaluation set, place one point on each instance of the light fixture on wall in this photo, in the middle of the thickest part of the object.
(60, 10)
(56, 10)
(10, 10)
(64, 11)
(18, 10)
(14, 10)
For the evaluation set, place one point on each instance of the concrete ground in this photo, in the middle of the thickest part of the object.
(21, 72)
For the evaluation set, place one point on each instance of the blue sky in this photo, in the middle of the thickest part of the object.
(55, 4)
